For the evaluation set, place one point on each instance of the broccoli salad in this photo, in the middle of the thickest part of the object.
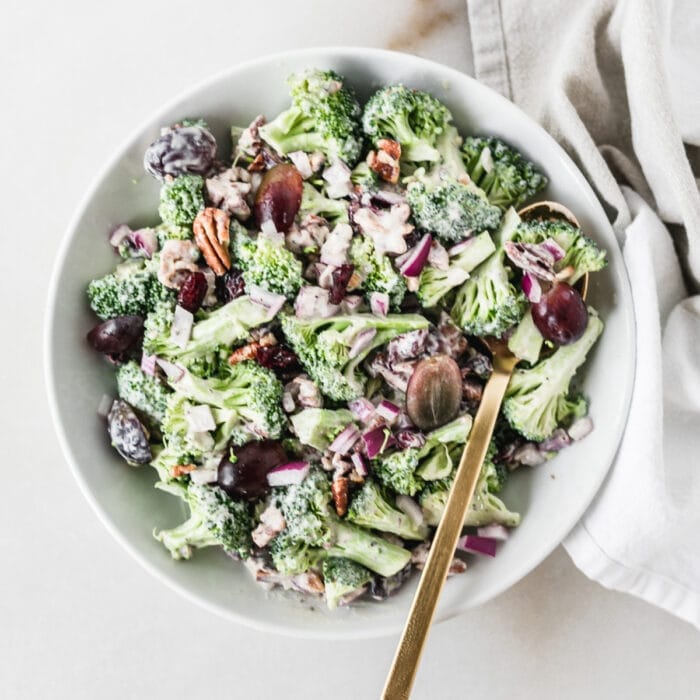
(298, 336)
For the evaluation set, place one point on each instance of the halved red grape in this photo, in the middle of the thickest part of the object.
(116, 336)
(279, 196)
(434, 392)
(561, 314)
(246, 477)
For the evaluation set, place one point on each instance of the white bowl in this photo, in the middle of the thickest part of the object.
(551, 498)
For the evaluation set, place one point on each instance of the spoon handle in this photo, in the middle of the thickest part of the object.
(405, 665)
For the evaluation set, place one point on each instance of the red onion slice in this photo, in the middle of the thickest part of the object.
(199, 418)
(272, 302)
(345, 440)
(362, 409)
(119, 235)
(554, 248)
(494, 532)
(379, 303)
(460, 247)
(478, 545)
(407, 505)
(388, 411)
(148, 364)
(418, 256)
(531, 287)
(180, 331)
(360, 464)
(376, 441)
(350, 304)
(288, 474)
(145, 240)
(362, 341)
(172, 371)
(580, 428)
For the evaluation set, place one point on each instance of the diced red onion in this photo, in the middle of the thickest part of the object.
(415, 262)
(403, 422)
(118, 235)
(376, 441)
(529, 455)
(409, 438)
(104, 406)
(180, 331)
(554, 248)
(172, 371)
(313, 302)
(350, 304)
(288, 474)
(460, 247)
(148, 364)
(268, 228)
(338, 178)
(478, 545)
(362, 341)
(558, 440)
(493, 532)
(360, 464)
(580, 428)
(361, 408)
(203, 475)
(379, 303)
(401, 259)
(199, 418)
(272, 302)
(407, 505)
(387, 410)
(531, 287)
(345, 440)
(301, 163)
(438, 256)
(145, 240)
(388, 196)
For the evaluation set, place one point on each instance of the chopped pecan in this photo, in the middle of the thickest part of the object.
(385, 161)
(246, 352)
(182, 469)
(177, 263)
(211, 235)
(339, 489)
(472, 389)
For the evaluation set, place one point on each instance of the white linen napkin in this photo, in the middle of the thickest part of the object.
(618, 85)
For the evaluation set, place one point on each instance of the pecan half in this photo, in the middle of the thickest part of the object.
(212, 237)
(339, 489)
(246, 352)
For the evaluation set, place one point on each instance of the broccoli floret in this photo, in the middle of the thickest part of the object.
(413, 118)
(488, 303)
(364, 176)
(181, 200)
(486, 507)
(377, 271)
(536, 399)
(335, 211)
(213, 330)
(145, 393)
(323, 347)
(178, 436)
(581, 252)
(343, 580)
(324, 116)
(172, 232)
(246, 400)
(370, 509)
(450, 210)
(310, 521)
(130, 289)
(291, 556)
(266, 264)
(318, 427)
(526, 341)
(215, 519)
(507, 178)
(405, 471)
(435, 284)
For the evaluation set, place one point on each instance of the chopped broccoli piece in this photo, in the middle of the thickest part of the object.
(181, 200)
(247, 399)
(507, 178)
(318, 427)
(215, 519)
(266, 264)
(178, 436)
(488, 303)
(413, 118)
(335, 211)
(526, 341)
(370, 509)
(310, 521)
(145, 393)
(173, 232)
(343, 580)
(213, 330)
(580, 251)
(405, 471)
(130, 289)
(450, 210)
(536, 399)
(324, 116)
(323, 347)
(291, 556)
(364, 176)
(435, 284)
(377, 271)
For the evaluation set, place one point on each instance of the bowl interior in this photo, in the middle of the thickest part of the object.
(550, 498)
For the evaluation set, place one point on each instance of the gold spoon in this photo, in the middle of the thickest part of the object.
(408, 653)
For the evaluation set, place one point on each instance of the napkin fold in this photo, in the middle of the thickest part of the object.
(617, 84)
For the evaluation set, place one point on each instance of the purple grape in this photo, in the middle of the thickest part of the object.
(116, 336)
(561, 314)
(246, 477)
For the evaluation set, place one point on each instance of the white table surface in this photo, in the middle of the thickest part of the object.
(78, 617)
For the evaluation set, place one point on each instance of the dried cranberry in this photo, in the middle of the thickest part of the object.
(193, 291)
(340, 278)
(276, 357)
(230, 286)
